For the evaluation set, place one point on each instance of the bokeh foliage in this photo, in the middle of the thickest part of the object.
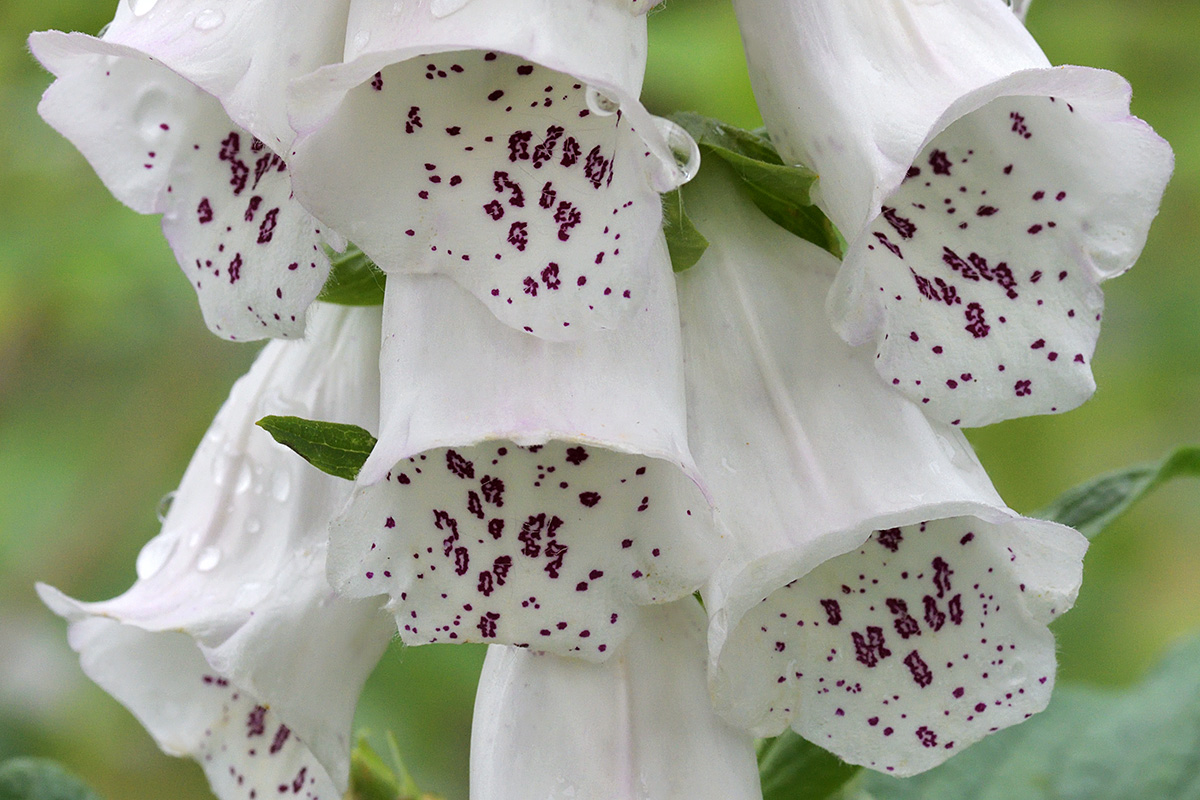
(108, 379)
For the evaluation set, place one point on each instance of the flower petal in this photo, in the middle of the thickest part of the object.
(638, 727)
(190, 710)
(149, 106)
(490, 152)
(985, 194)
(874, 570)
(526, 492)
(240, 569)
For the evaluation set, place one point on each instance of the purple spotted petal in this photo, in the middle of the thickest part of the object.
(548, 546)
(507, 167)
(244, 747)
(525, 491)
(985, 194)
(640, 726)
(178, 119)
(874, 570)
(232, 612)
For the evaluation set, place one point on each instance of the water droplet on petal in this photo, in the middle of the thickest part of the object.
(281, 485)
(600, 104)
(358, 44)
(686, 154)
(209, 19)
(141, 7)
(444, 8)
(156, 552)
(164, 506)
(253, 525)
(244, 480)
(208, 559)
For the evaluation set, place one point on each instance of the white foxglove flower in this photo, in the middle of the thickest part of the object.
(639, 727)
(985, 194)
(880, 598)
(179, 107)
(524, 491)
(231, 647)
(499, 142)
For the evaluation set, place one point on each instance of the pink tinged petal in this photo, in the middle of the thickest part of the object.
(638, 727)
(901, 507)
(234, 586)
(490, 152)
(525, 492)
(983, 156)
(161, 145)
(244, 747)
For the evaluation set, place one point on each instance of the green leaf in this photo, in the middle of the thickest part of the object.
(332, 447)
(40, 779)
(372, 779)
(781, 191)
(795, 769)
(685, 243)
(1091, 506)
(1142, 743)
(354, 280)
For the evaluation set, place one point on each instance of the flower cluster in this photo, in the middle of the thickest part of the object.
(573, 439)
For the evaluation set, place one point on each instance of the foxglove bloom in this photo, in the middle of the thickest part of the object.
(498, 142)
(880, 598)
(639, 727)
(984, 193)
(179, 107)
(524, 491)
(231, 647)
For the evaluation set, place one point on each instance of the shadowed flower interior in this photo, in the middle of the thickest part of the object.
(547, 546)
(922, 633)
(521, 183)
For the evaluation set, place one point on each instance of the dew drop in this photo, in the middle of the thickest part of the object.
(208, 559)
(141, 7)
(685, 156)
(601, 104)
(358, 44)
(444, 8)
(245, 480)
(156, 552)
(209, 19)
(281, 485)
(164, 506)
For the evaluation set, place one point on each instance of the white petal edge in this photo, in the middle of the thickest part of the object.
(234, 587)
(639, 727)
(808, 456)
(162, 145)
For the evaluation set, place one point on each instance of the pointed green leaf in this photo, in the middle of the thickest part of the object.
(685, 243)
(334, 448)
(794, 769)
(353, 280)
(1142, 743)
(1091, 506)
(781, 191)
(40, 779)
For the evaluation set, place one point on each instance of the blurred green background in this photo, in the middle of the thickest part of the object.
(108, 379)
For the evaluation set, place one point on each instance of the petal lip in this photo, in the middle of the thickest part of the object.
(216, 47)
(600, 42)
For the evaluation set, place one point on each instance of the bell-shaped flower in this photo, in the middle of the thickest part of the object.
(984, 193)
(499, 142)
(639, 727)
(179, 107)
(879, 597)
(524, 491)
(231, 647)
